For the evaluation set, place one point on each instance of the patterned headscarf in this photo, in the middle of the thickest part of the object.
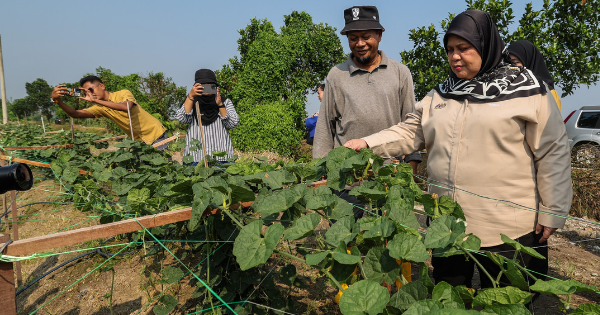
(497, 79)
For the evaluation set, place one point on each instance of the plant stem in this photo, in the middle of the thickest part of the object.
(526, 271)
(479, 265)
(362, 270)
(333, 279)
(289, 256)
(233, 218)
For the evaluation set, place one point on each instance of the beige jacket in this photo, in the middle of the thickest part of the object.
(514, 150)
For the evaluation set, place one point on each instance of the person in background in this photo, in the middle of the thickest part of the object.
(524, 53)
(311, 122)
(120, 107)
(217, 117)
(491, 130)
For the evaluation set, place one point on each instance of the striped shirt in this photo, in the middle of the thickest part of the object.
(216, 134)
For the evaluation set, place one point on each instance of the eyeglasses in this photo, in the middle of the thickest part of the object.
(91, 90)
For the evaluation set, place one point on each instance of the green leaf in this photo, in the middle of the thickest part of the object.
(561, 287)
(446, 294)
(171, 275)
(379, 266)
(277, 201)
(240, 192)
(466, 294)
(424, 277)
(187, 159)
(315, 259)
(408, 247)
(381, 231)
(527, 250)
(515, 276)
(367, 193)
(340, 254)
(138, 197)
(277, 179)
(303, 227)
(364, 297)
(506, 295)
(319, 202)
(199, 204)
(443, 231)
(340, 209)
(250, 249)
(168, 304)
(287, 274)
(340, 231)
(510, 309)
(400, 206)
(587, 308)
(424, 307)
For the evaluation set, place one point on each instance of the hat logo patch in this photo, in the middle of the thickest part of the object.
(355, 12)
(440, 106)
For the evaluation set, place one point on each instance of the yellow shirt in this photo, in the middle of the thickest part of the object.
(556, 98)
(145, 127)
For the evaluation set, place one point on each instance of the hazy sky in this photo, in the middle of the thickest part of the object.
(60, 41)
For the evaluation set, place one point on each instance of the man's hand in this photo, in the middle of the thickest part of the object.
(546, 230)
(356, 144)
(59, 91)
(88, 97)
(196, 90)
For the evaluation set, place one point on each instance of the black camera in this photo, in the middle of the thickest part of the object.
(15, 177)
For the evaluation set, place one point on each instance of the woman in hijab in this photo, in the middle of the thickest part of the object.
(490, 130)
(524, 53)
(217, 118)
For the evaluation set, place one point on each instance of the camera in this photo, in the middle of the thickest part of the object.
(15, 177)
(75, 92)
(209, 88)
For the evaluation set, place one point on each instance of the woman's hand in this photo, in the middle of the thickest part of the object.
(547, 232)
(356, 144)
(218, 98)
(196, 90)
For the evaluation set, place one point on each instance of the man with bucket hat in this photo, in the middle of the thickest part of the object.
(368, 92)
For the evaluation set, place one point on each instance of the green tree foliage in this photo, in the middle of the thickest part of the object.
(163, 96)
(565, 31)
(277, 71)
(37, 99)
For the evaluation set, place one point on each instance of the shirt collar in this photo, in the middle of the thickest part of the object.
(353, 67)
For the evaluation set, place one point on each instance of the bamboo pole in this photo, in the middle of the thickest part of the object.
(43, 125)
(3, 88)
(201, 135)
(72, 129)
(15, 230)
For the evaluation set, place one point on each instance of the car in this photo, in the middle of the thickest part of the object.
(583, 130)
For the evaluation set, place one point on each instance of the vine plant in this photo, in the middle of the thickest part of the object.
(355, 256)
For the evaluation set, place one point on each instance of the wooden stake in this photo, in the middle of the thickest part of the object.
(201, 134)
(43, 125)
(8, 303)
(3, 90)
(15, 230)
(26, 124)
(72, 129)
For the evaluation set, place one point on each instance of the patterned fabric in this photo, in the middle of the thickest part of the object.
(216, 134)
(503, 83)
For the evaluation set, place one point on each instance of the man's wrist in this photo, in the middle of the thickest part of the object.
(190, 98)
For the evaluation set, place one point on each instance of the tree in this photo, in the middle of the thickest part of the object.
(565, 31)
(278, 70)
(162, 94)
(37, 99)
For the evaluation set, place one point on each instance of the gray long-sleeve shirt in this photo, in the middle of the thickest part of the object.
(358, 103)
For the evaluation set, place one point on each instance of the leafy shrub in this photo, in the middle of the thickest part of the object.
(269, 127)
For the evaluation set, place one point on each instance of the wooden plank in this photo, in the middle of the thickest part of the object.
(40, 147)
(17, 160)
(8, 304)
(44, 243)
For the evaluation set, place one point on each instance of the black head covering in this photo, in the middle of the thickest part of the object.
(532, 59)
(207, 103)
(497, 79)
(360, 18)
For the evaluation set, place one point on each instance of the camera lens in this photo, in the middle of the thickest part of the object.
(15, 177)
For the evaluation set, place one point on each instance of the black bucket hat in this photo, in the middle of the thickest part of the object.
(360, 18)
(205, 76)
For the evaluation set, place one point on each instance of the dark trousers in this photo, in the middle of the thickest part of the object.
(457, 270)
